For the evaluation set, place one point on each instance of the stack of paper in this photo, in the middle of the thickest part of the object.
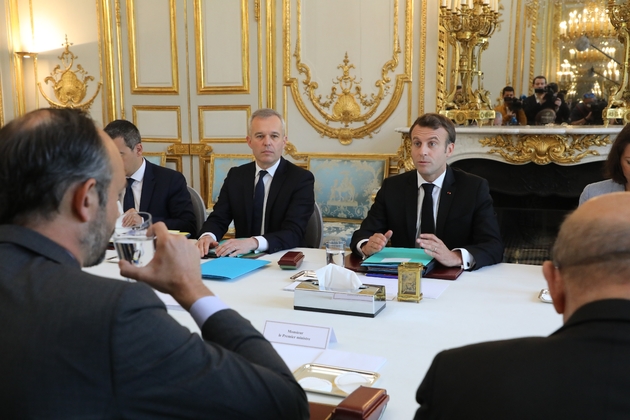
(387, 260)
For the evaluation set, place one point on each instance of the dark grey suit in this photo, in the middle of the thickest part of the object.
(290, 204)
(74, 345)
(579, 372)
(465, 218)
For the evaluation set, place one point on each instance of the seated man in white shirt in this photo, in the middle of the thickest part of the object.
(455, 222)
(269, 200)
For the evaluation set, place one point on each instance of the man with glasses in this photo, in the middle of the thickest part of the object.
(579, 371)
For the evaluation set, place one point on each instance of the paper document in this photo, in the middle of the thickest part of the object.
(226, 268)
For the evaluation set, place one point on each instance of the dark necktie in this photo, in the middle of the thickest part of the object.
(128, 202)
(259, 199)
(427, 222)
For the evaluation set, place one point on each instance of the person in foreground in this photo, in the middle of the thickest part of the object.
(617, 167)
(578, 372)
(151, 188)
(75, 345)
(454, 222)
(269, 200)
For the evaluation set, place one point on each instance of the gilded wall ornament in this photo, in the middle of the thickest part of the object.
(347, 104)
(67, 85)
(545, 148)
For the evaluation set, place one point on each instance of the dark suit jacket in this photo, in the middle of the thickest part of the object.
(74, 345)
(165, 196)
(289, 206)
(579, 372)
(465, 218)
(531, 108)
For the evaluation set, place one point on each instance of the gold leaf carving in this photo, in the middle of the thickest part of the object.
(545, 148)
(69, 89)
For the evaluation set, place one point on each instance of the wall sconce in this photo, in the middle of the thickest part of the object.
(21, 60)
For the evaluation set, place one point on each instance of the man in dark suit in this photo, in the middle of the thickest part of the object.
(156, 190)
(578, 372)
(75, 345)
(457, 226)
(269, 200)
(545, 97)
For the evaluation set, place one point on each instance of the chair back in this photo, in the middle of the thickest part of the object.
(314, 229)
(199, 208)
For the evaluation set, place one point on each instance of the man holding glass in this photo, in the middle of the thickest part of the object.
(75, 345)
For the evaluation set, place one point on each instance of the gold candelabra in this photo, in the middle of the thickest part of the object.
(469, 24)
(619, 100)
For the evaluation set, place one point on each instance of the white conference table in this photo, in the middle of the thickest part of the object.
(493, 303)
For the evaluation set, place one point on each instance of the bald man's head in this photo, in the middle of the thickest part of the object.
(593, 245)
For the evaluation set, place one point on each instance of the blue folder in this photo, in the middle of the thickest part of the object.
(226, 268)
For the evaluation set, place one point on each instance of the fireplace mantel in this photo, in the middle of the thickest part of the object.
(562, 145)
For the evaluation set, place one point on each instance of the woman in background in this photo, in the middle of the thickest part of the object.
(617, 167)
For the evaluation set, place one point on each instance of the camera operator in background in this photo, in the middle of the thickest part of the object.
(511, 109)
(545, 98)
(559, 104)
(589, 111)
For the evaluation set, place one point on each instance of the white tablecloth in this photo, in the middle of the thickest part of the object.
(492, 303)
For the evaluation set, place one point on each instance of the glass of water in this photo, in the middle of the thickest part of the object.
(135, 243)
(335, 252)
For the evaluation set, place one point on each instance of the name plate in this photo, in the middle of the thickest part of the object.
(299, 335)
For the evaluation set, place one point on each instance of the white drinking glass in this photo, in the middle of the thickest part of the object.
(136, 243)
(335, 252)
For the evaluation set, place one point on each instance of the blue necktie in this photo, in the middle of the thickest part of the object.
(427, 221)
(128, 202)
(259, 199)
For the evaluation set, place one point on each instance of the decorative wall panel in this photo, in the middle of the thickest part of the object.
(220, 67)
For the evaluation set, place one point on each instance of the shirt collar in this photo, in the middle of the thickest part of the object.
(438, 182)
(271, 171)
(139, 174)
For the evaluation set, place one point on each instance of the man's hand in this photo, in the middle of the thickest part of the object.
(174, 269)
(205, 244)
(376, 242)
(234, 247)
(131, 217)
(435, 248)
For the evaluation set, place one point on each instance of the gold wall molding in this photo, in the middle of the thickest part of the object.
(135, 109)
(214, 108)
(422, 57)
(202, 85)
(346, 91)
(67, 85)
(173, 89)
(109, 91)
(531, 11)
(545, 148)
(184, 149)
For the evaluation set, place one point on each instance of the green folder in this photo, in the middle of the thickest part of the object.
(394, 256)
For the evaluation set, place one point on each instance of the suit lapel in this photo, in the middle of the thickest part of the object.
(446, 201)
(148, 185)
(275, 187)
(411, 207)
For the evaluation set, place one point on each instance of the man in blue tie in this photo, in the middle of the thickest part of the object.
(270, 200)
(446, 211)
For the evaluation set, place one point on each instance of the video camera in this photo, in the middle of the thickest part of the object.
(514, 104)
